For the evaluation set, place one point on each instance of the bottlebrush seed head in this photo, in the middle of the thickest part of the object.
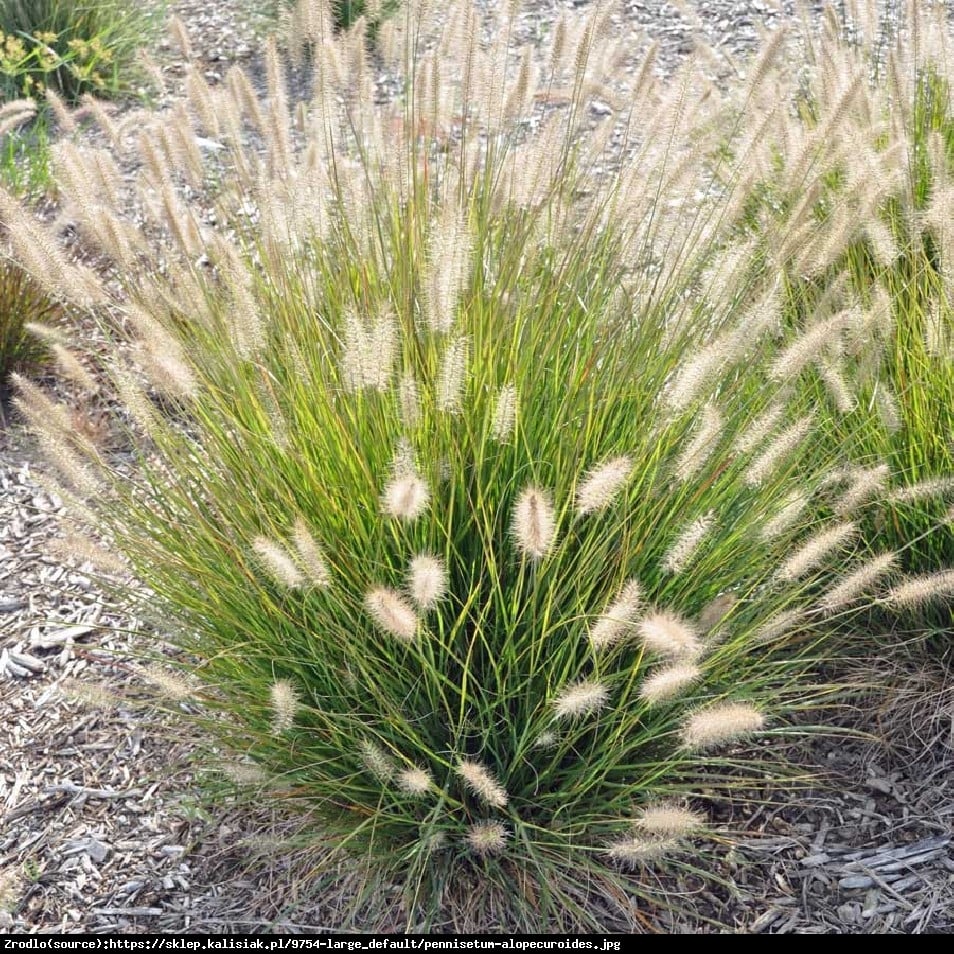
(405, 497)
(377, 761)
(427, 581)
(665, 684)
(698, 450)
(392, 613)
(602, 485)
(580, 699)
(480, 780)
(716, 725)
(635, 851)
(546, 740)
(505, 414)
(770, 459)
(668, 820)
(669, 635)
(686, 545)
(277, 563)
(534, 523)
(856, 584)
(285, 704)
(867, 483)
(920, 590)
(779, 625)
(409, 401)
(309, 554)
(414, 781)
(815, 550)
(453, 376)
(487, 837)
(619, 616)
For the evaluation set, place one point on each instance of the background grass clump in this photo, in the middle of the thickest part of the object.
(864, 151)
(22, 301)
(24, 147)
(475, 488)
(73, 48)
(65, 51)
(341, 14)
(25, 157)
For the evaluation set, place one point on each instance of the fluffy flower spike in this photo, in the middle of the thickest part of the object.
(392, 613)
(427, 581)
(619, 616)
(719, 724)
(480, 780)
(602, 485)
(580, 699)
(534, 523)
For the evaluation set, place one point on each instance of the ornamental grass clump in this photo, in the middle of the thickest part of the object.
(22, 302)
(72, 49)
(864, 151)
(451, 487)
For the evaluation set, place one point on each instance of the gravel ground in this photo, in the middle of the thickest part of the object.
(101, 831)
(223, 32)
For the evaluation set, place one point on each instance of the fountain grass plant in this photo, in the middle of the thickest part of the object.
(861, 150)
(874, 126)
(469, 490)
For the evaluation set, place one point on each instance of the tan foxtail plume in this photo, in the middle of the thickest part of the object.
(759, 429)
(369, 350)
(782, 447)
(534, 523)
(803, 351)
(482, 782)
(452, 377)
(427, 581)
(918, 591)
(686, 546)
(78, 546)
(170, 685)
(618, 618)
(505, 413)
(285, 702)
(793, 506)
(601, 485)
(815, 550)
(857, 584)
(405, 498)
(487, 837)
(636, 850)
(378, 762)
(719, 724)
(667, 683)
(448, 268)
(392, 613)
(409, 402)
(703, 442)
(669, 635)
(275, 560)
(668, 820)
(580, 699)
(415, 781)
(923, 490)
(310, 557)
(866, 483)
